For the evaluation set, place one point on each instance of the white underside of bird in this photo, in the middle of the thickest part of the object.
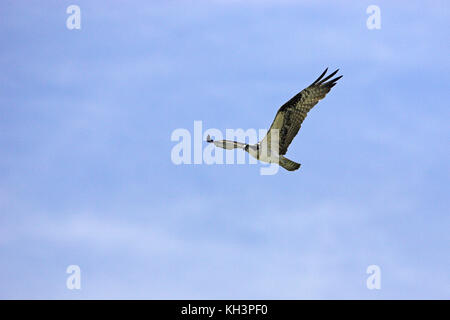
(263, 154)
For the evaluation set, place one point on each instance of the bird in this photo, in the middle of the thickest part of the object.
(286, 124)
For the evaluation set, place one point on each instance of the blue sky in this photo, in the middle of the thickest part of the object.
(86, 176)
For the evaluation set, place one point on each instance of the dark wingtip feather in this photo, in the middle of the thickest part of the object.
(320, 77)
(332, 82)
(328, 77)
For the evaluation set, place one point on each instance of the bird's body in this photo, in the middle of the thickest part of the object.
(269, 155)
(256, 151)
(285, 126)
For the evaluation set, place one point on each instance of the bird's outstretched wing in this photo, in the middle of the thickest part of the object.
(290, 116)
(226, 144)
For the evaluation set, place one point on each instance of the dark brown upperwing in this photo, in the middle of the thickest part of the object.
(290, 116)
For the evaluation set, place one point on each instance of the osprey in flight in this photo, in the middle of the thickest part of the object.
(285, 126)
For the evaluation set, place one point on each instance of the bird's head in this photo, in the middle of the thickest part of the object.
(247, 146)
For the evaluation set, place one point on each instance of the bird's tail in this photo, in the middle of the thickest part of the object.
(288, 164)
